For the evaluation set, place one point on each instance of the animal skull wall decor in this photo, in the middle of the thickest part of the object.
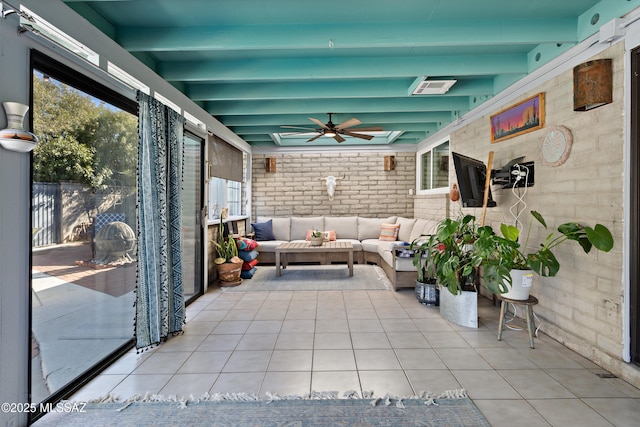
(331, 182)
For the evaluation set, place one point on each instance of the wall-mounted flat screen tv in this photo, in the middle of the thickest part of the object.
(471, 174)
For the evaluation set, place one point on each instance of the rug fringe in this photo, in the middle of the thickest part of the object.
(388, 399)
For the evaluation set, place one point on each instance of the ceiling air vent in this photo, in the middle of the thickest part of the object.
(430, 87)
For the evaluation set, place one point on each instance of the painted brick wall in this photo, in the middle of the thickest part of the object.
(582, 305)
(367, 189)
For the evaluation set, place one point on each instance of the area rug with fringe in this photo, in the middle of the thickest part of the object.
(314, 278)
(451, 408)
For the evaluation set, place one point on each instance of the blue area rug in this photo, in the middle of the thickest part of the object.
(314, 278)
(387, 412)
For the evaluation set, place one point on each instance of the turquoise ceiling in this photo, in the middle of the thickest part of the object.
(257, 65)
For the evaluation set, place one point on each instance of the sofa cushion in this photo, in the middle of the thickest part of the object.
(270, 245)
(389, 232)
(263, 231)
(406, 226)
(423, 227)
(369, 228)
(346, 227)
(370, 245)
(300, 225)
(385, 251)
(281, 227)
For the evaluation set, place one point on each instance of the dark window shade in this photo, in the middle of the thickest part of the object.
(225, 160)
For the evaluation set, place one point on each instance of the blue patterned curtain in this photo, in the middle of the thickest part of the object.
(159, 292)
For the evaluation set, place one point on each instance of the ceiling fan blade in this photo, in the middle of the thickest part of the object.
(298, 127)
(369, 129)
(319, 123)
(349, 123)
(358, 135)
(314, 138)
(339, 138)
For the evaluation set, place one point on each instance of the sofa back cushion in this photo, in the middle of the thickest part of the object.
(406, 226)
(281, 227)
(300, 225)
(423, 226)
(346, 227)
(369, 228)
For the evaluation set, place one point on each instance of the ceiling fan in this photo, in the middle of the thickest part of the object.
(335, 131)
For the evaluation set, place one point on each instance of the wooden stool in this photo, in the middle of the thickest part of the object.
(528, 308)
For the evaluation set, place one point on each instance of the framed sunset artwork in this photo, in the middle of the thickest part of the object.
(525, 116)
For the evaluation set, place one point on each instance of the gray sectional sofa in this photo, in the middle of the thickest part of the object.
(362, 232)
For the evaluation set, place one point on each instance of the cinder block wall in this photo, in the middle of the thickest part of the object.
(297, 187)
(583, 305)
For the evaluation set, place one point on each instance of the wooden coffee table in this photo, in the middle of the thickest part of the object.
(305, 247)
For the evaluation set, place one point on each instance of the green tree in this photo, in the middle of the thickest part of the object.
(116, 143)
(81, 140)
(63, 159)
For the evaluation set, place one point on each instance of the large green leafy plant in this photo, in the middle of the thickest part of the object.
(501, 254)
(448, 255)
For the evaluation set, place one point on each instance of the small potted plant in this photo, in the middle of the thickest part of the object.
(508, 266)
(316, 238)
(228, 264)
(426, 291)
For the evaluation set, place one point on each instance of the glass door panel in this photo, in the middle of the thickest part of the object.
(192, 203)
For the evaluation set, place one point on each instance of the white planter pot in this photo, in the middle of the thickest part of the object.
(521, 281)
(461, 309)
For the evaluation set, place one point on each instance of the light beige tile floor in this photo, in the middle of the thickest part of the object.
(380, 341)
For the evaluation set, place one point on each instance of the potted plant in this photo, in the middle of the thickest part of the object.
(503, 257)
(426, 291)
(228, 264)
(316, 238)
(451, 259)
(454, 261)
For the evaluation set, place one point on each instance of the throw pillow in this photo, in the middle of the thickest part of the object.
(245, 244)
(263, 231)
(248, 274)
(389, 232)
(248, 265)
(327, 236)
(247, 255)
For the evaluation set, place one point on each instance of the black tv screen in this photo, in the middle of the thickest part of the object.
(471, 174)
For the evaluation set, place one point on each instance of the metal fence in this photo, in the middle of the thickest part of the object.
(46, 214)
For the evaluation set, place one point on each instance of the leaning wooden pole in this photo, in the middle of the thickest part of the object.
(487, 184)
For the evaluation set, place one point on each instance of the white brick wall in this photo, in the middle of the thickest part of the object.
(582, 305)
(367, 189)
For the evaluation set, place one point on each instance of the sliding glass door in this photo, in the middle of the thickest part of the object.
(192, 203)
(83, 227)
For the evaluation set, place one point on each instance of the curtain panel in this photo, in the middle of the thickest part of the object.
(160, 308)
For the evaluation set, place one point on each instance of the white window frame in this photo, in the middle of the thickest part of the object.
(419, 154)
(212, 209)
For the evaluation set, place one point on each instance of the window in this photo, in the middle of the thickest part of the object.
(432, 166)
(224, 193)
